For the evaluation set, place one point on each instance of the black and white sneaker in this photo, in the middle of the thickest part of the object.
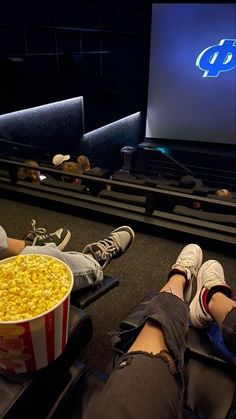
(112, 247)
(39, 237)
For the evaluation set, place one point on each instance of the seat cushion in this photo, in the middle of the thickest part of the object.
(123, 197)
(205, 215)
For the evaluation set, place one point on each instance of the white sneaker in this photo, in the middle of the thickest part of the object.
(188, 262)
(112, 247)
(210, 274)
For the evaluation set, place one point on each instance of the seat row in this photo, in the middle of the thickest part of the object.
(64, 388)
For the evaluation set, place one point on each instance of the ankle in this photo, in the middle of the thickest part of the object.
(175, 285)
(218, 290)
(212, 297)
(27, 243)
(212, 301)
(179, 273)
(220, 299)
(177, 277)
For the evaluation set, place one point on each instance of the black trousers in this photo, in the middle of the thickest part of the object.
(229, 330)
(147, 386)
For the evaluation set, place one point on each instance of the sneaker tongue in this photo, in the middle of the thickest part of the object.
(213, 280)
(115, 239)
(97, 252)
(29, 237)
(212, 284)
(99, 255)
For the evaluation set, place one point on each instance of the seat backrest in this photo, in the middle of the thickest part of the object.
(210, 379)
(84, 385)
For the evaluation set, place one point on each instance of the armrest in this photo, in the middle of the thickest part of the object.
(84, 384)
(134, 317)
(210, 388)
(86, 296)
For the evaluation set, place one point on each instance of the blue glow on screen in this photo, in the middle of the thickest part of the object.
(192, 73)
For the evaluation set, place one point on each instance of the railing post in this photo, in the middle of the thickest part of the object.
(13, 174)
(149, 205)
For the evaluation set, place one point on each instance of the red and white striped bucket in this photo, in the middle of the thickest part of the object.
(28, 345)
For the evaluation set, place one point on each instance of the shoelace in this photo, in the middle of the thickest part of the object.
(39, 231)
(42, 237)
(186, 263)
(108, 247)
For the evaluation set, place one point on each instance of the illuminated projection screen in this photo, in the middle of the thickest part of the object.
(192, 73)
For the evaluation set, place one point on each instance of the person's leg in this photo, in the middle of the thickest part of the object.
(14, 247)
(111, 247)
(214, 302)
(219, 306)
(151, 338)
(8, 246)
(37, 236)
(147, 381)
(87, 267)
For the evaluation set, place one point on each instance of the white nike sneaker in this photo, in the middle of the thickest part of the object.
(188, 263)
(211, 274)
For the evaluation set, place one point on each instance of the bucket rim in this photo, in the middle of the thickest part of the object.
(67, 295)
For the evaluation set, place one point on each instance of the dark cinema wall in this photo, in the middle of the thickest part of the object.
(51, 51)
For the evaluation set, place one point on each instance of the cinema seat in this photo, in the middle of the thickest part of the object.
(210, 379)
(19, 393)
(95, 187)
(49, 181)
(86, 296)
(128, 178)
(123, 197)
(205, 215)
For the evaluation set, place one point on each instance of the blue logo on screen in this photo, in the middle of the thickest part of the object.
(217, 58)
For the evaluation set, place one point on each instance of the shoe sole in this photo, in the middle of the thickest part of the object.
(132, 235)
(196, 300)
(66, 240)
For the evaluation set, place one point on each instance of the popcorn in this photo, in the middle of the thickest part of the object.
(30, 285)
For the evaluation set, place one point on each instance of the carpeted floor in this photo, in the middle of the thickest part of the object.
(144, 267)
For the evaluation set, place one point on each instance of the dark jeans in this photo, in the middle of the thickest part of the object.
(229, 330)
(144, 385)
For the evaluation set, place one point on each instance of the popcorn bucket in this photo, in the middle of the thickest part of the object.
(30, 344)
